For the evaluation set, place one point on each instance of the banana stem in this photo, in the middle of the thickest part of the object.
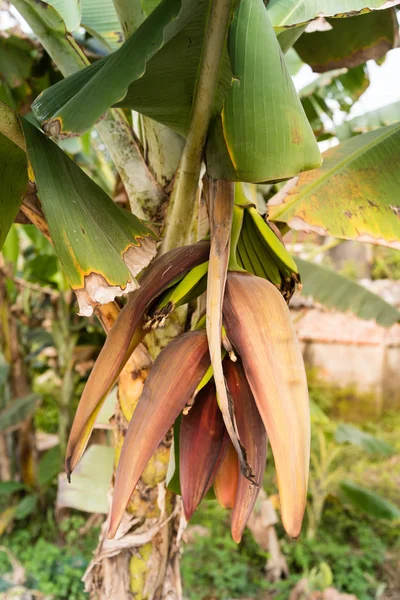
(178, 222)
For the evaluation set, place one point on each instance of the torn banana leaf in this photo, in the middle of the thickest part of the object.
(101, 247)
(154, 72)
(288, 13)
(13, 184)
(262, 119)
(349, 42)
(353, 196)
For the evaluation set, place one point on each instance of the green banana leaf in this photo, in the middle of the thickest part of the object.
(336, 291)
(369, 502)
(101, 247)
(100, 19)
(339, 87)
(287, 13)
(354, 195)
(349, 42)
(13, 183)
(17, 411)
(385, 115)
(16, 59)
(154, 72)
(48, 15)
(350, 434)
(262, 119)
(69, 11)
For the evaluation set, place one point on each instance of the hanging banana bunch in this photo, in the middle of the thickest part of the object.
(266, 387)
(237, 378)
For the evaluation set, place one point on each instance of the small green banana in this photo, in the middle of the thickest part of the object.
(273, 242)
(269, 266)
(188, 288)
(252, 252)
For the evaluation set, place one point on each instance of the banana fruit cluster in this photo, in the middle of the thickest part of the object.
(262, 374)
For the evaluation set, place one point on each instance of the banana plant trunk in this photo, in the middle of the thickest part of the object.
(142, 561)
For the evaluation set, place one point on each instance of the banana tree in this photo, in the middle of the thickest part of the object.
(194, 103)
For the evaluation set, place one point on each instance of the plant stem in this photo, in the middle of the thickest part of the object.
(186, 183)
(143, 191)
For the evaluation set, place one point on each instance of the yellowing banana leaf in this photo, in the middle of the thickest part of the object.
(349, 42)
(263, 133)
(287, 13)
(101, 247)
(91, 482)
(100, 19)
(154, 72)
(354, 195)
(336, 291)
(13, 183)
(69, 11)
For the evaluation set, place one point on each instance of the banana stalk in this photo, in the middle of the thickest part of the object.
(173, 378)
(221, 196)
(258, 324)
(123, 338)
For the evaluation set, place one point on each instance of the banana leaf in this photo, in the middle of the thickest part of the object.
(69, 11)
(154, 72)
(336, 291)
(349, 42)
(369, 502)
(338, 87)
(385, 115)
(47, 13)
(101, 247)
(100, 19)
(288, 13)
(346, 433)
(89, 488)
(13, 183)
(16, 59)
(17, 411)
(354, 195)
(262, 119)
